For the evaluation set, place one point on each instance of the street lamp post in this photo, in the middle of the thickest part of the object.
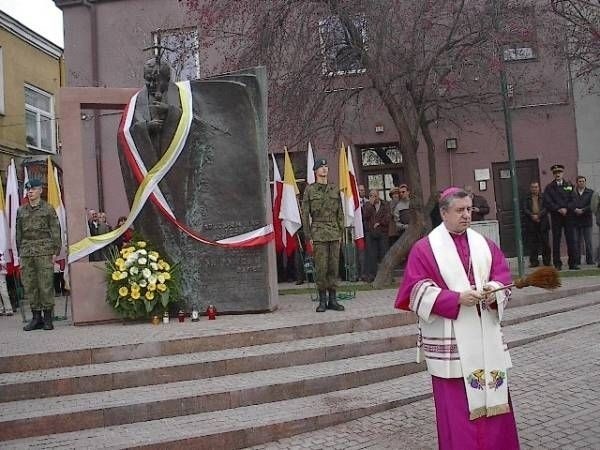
(509, 143)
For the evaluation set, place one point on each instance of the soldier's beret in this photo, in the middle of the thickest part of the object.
(557, 168)
(319, 163)
(33, 183)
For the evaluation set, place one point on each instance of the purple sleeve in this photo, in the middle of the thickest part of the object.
(500, 271)
(421, 266)
(446, 304)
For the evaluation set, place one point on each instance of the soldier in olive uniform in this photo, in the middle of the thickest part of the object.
(322, 219)
(38, 239)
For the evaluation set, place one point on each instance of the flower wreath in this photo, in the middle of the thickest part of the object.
(140, 281)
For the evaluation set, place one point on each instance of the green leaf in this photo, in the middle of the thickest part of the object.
(149, 305)
(164, 298)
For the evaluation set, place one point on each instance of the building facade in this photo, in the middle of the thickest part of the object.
(104, 46)
(31, 73)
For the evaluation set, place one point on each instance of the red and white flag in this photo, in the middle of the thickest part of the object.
(11, 205)
(277, 190)
(359, 232)
(310, 163)
(290, 212)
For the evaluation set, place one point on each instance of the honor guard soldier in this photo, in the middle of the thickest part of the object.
(38, 240)
(322, 219)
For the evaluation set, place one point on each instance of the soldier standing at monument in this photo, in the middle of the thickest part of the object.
(322, 219)
(38, 239)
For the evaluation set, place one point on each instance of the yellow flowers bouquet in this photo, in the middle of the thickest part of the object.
(140, 281)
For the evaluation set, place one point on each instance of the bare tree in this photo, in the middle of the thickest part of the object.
(583, 19)
(329, 61)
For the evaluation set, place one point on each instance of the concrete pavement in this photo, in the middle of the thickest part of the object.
(554, 393)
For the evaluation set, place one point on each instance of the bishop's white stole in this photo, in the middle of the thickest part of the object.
(470, 347)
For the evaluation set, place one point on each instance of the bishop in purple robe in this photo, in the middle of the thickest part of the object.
(455, 425)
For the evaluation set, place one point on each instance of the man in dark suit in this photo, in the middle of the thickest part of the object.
(583, 221)
(537, 226)
(376, 215)
(94, 227)
(557, 199)
(480, 205)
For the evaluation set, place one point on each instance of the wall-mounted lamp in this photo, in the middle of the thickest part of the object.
(378, 128)
(451, 144)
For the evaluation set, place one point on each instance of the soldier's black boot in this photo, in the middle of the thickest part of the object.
(333, 303)
(322, 301)
(35, 323)
(48, 320)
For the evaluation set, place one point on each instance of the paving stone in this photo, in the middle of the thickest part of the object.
(415, 423)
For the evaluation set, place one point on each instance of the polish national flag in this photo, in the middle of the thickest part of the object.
(310, 163)
(11, 205)
(290, 212)
(359, 233)
(277, 190)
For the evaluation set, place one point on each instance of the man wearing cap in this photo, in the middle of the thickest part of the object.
(447, 282)
(38, 240)
(558, 196)
(322, 219)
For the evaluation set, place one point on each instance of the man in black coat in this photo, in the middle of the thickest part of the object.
(480, 205)
(583, 221)
(377, 216)
(536, 226)
(557, 199)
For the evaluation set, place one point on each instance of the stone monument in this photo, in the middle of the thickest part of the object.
(218, 187)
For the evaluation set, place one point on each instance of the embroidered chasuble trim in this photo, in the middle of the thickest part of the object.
(489, 412)
(422, 299)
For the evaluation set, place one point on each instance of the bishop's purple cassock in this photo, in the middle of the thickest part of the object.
(455, 430)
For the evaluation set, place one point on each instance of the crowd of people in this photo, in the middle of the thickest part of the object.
(561, 209)
(98, 224)
(384, 222)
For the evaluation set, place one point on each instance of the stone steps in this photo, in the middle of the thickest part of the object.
(350, 388)
(121, 406)
(187, 366)
(227, 332)
(199, 365)
(215, 336)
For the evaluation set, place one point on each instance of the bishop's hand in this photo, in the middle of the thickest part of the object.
(470, 297)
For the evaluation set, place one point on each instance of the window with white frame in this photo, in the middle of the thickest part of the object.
(342, 46)
(180, 51)
(1, 81)
(39, 119)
